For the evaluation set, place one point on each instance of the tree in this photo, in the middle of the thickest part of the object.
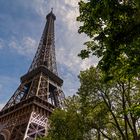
(114, 105)
(114, 29)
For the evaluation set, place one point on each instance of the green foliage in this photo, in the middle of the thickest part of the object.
(110, 107)
(114, 28)
(66, 124)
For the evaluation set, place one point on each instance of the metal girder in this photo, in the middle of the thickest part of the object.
(37, 126)
(39, 86)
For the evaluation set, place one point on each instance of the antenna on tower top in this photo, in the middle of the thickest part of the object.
(52, 9)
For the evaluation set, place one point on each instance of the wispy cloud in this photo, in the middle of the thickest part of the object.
(27, 46)
(1, 43)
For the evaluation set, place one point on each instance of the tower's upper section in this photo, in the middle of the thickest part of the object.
(45, 55)
(51, 14)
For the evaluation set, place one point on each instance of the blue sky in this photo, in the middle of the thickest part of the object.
(21, 26)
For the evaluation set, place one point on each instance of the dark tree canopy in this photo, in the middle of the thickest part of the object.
(114, 29)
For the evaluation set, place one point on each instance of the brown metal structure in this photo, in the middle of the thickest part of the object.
(25, 116)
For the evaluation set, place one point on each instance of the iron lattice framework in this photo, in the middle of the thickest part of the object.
(25, 116)
(45, 54)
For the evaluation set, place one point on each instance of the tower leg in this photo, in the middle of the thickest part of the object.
(37, 127)
(31, 129)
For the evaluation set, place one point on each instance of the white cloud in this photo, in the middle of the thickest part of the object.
(27, 46)
(72, 61)
(72, 3)
(65, 10)
(70, 84)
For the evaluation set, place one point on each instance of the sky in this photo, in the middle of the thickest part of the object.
(21, 25)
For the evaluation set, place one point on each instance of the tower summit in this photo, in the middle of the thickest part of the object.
(25, 115)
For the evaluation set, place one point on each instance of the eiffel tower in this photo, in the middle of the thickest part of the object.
(25, 115)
